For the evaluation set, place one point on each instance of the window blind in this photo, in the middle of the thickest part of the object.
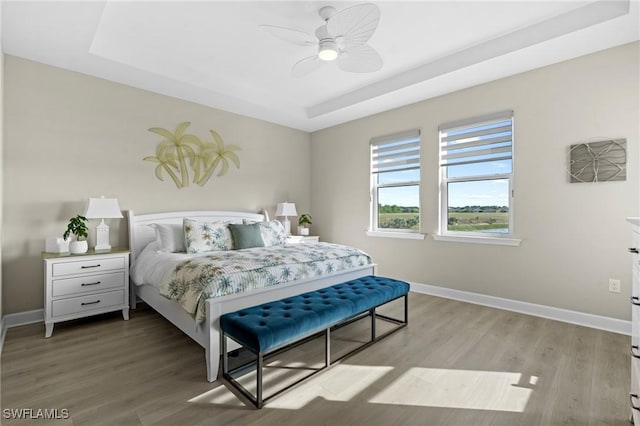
(397, 152)
(483, 139)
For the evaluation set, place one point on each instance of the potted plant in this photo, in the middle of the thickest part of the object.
(303, 224)
(78, 227)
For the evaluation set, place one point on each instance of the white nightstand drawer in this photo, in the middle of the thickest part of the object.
(87, 283)
(635, 390)
(87, 266)
(87, 303)
(635, 331)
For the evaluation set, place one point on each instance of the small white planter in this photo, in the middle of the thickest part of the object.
(78, 247)
(303, 231)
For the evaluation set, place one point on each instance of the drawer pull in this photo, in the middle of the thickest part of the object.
(635, 300)
(633, 250)
(86, 284)
(90, 266)
(634, 351)
(90, 303)
(631, 397)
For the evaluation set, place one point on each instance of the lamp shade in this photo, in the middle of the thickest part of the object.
(103, 208)
(286, 209)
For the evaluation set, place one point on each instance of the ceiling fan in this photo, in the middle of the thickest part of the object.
(343, 39)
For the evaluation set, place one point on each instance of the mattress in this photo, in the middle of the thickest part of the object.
(190, 279)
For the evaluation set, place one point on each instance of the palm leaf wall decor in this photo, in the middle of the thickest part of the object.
(179, 151)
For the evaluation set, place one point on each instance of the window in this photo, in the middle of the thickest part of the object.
(476, 162)
(395, 182)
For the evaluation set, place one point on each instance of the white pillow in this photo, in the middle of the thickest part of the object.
(272, 232)
(206, 236)
(170, 237)
(138, 270)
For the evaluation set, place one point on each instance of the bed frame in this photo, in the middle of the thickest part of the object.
(208, 334)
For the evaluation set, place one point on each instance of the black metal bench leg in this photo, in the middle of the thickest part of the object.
(327, 348)
(373, 324)
(259, 381)
(406, 308)
(225, 356)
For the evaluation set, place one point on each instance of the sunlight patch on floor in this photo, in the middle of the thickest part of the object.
(465, 389)
(342, 382)
(426, 387)
(218, 396)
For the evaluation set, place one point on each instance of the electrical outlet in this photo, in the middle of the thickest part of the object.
(614, 285)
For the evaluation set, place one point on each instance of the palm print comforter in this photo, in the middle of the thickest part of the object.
(237, 271)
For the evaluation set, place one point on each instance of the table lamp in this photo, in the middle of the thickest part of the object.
(102, 208)
(286, 209)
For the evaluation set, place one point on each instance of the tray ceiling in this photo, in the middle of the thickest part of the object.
(215, 54)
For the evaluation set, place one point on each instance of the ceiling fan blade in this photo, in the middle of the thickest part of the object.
(306, 66)
(290, 35)
(355, 24)
(360, 59)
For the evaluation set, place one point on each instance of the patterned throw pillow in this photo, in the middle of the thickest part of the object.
(272, 232)
(206, 236)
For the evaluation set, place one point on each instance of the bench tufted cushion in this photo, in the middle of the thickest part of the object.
(273, 324)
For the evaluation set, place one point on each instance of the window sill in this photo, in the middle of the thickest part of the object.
(498, 241)
(403, 235)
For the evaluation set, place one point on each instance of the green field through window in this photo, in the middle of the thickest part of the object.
(479, 219)
(476, 219)
(398, 217)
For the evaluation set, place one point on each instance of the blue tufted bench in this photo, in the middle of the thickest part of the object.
(271, 327)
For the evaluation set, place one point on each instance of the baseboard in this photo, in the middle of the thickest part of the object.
(23, 318)
(18, 319)
(573, 317)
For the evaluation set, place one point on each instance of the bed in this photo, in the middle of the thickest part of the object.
(207, 332)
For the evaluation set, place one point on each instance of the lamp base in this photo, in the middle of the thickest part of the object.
(102, 237)
(287, 226)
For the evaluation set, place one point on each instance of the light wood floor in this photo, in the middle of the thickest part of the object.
(455, 364)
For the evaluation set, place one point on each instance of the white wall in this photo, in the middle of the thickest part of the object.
(69, 136)
(574, 235)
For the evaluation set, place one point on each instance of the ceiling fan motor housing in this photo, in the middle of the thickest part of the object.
(327, 46)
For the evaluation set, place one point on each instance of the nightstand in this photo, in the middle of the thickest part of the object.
(80, 285)
(297, 239)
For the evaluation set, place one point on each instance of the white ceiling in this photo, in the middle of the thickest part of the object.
(215, 54)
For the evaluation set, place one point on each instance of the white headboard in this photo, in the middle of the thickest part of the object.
(141, 233)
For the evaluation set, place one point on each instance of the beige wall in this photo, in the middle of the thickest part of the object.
(69, 136)
(574, 235)
(1, 161)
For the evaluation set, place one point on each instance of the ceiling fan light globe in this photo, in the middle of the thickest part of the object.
(328, 50)
(328, 55)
